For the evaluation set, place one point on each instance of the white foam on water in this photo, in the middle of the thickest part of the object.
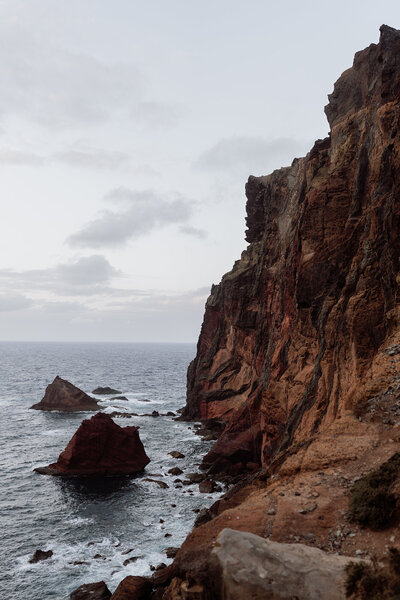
(77, 521)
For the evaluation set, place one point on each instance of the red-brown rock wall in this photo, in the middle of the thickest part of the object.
(289, 334)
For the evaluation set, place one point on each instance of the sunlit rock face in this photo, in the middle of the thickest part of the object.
(290, 334)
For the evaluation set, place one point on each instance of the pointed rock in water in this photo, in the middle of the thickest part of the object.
(100, 448)
(105, 391)
(63, 395)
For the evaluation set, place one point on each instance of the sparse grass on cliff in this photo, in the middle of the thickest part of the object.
(371, 503)
(374, 582)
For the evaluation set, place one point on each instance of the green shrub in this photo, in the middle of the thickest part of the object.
(371, 503)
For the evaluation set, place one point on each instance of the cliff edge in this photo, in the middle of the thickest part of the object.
(290, 334)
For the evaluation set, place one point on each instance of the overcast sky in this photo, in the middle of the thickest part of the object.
(128, 130)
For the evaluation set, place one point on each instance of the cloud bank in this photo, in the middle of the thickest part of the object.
(134, 214)
(250, 155)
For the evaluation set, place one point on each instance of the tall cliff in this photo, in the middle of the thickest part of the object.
(298, 363)
(290, 334)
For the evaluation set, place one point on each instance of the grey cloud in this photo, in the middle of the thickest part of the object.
(14, 301)
(90, 270)
(59, 88)
(157, 301)
(156, 114)
(20, 158)
(159, 318)
(92, 159)
(137, 214)
(193, 231)
(250, 154)
(85, 276)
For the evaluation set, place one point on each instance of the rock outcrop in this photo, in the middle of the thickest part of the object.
(299, 353)
(100, 448)
(64, 396)
(244, 565)
(91, 591)
(290, 334)
(133, 588)
(106, 391)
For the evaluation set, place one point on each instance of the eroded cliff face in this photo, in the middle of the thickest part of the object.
(290, 334)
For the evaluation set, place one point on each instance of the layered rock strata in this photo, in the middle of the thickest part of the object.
(290, 334)
(100, 448)
(64, 396)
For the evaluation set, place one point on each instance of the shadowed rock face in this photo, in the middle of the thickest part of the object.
(100, 448)
(63, 395)
(289, 335)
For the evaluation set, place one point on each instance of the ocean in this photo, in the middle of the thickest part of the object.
(113, 520)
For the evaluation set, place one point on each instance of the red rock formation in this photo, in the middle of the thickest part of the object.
(133, 588)
(100, 448)
(63, 395)
(289, 335)
(91, 591)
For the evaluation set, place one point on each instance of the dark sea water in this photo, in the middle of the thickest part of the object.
(77, 520)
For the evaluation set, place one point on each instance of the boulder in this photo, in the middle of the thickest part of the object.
(245, 565)
(100, 448)
(133, 588)
(40, 555)
(195, 477)
(91, 591)
(105, 391)
(175, 471)
(176, 454)
(206, 487)
(171, 552)
(63, 395)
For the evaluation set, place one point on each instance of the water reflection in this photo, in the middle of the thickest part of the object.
(81, 490)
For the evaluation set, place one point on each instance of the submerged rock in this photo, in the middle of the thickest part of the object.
(175, 471)
(91, 591)
(160, 484)
(176, 454)
(105, 391)
(101, 448)
(63, 395)
(40, 555)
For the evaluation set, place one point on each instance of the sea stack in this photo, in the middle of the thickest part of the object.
(100, 448)
(64, 396)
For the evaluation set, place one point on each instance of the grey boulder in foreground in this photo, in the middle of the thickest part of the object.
(245, 565)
